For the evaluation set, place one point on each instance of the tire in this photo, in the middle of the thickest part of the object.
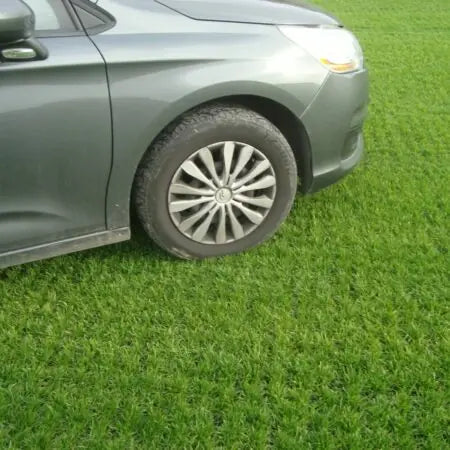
(223, 124)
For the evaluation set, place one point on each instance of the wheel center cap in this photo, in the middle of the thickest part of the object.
(224, 195)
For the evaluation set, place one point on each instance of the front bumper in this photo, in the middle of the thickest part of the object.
(334, 125)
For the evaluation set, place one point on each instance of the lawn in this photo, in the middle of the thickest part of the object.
(335, 334)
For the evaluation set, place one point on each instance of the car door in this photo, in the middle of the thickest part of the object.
(55, 136)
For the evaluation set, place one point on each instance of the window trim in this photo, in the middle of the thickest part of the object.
(108, 19)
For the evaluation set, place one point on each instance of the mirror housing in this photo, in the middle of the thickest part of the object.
(17, 22)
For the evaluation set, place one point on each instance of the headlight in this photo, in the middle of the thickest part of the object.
(337, 49)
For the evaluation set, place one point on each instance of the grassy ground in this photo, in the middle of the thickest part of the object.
(333, 335)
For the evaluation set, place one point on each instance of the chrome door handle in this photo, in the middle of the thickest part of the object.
(19, 54)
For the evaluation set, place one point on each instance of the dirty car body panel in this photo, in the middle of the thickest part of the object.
(76, 125)
(55, 154)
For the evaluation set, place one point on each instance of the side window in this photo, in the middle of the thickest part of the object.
(51, 16)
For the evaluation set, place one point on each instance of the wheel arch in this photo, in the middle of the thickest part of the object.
(278, 107)
(281, 116)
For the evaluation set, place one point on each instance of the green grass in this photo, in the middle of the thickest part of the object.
(333, 335)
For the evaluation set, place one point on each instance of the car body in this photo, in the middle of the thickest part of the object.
(77, 118)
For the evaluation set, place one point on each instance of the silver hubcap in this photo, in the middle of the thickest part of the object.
(222, 193)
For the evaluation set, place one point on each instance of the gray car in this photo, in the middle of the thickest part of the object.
(200, 115)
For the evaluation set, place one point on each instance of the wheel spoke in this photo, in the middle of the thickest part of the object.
(192, 169)
(182, 205)
(191, 221)
(263, 183)
(228, 153)
(257, 170)
(182, 188)
(262, 201)
(222, 193)
(244, 157)
(203, 228)
(208, 161)
(236, 227)
(253, 216)
(221, 235)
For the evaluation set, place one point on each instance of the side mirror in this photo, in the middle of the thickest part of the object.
(17, 42)
(16, 22)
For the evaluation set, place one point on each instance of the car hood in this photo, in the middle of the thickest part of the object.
(273, 12)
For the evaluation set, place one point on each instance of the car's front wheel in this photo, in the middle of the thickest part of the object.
(219, 181)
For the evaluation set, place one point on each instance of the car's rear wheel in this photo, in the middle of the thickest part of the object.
(219, 181)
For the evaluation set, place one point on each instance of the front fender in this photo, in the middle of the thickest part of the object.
(155, 78)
